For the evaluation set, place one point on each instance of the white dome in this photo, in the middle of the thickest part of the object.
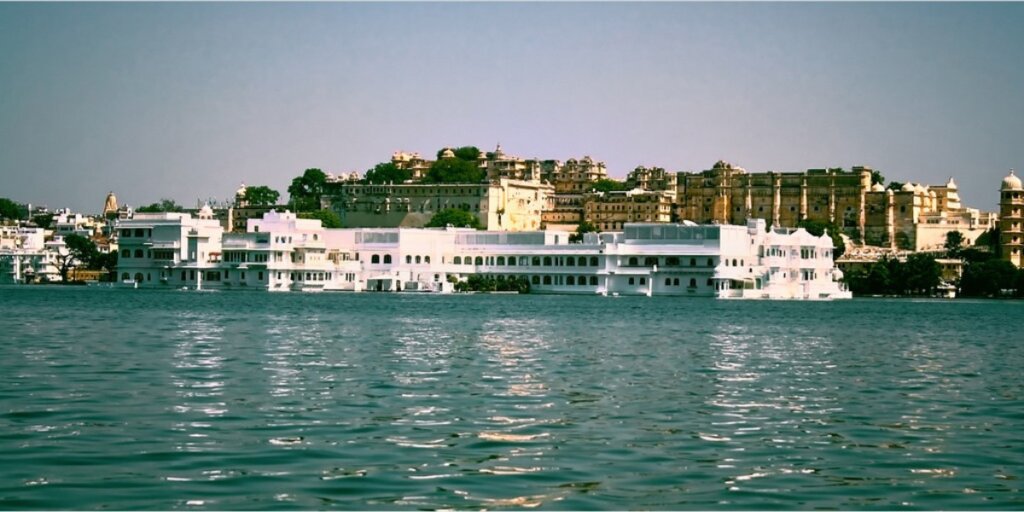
(877, 187)
(951, 184)
(920, 188)
(1011, 182)
(448, 153)
(908, 187)
(241, 190)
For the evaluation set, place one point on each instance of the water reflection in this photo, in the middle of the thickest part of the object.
(198, 379)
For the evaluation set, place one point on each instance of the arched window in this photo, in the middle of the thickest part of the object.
(138, 253)
(458, 260)
(711, 262)
(511, 261)
(125, 276)
(693, 282)
(593, 262)
(693, 262)
(570, 280)
(536, 261)
(734, 262)
(581, 280)
(478, 261)
(668, 281)
(547, 279)
(375, 259)
(418, 259)
(672, 260)
(535, 280)
(408, 258)
(127, 253)
(426, 259)
(650, 261)
(138, 277)
(675, 282)
(547, 263)
(633, 261)
(387, 259)
(501, 260)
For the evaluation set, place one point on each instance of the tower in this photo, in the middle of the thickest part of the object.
(110, 205)
(1011, 219)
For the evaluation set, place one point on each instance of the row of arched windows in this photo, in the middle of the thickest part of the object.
(671, 261)
(537, 261)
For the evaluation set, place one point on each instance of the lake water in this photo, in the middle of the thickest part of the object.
(133, 399)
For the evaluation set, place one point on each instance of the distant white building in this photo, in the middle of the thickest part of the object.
(26, 256)
(283, 253)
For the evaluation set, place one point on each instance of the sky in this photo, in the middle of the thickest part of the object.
(188, 100)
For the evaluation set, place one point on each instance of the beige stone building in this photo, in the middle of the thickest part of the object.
(915, 217)
(571, 181)
(1011, 225)
(609, 212)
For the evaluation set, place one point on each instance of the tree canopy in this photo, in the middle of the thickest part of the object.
(877, 178)
(328, 218)
(607, 185)
(80, 252)
(387, 172)
(919, 275)
(454, 170)
(467, 153)
(43, 220)
(584, 227)
(895, 186)
(305, 190)
(954, 243)
(164, 205)
(455, 217)
(11, 210)
(261, 195)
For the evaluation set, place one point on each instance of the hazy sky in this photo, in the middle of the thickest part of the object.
(188, 100)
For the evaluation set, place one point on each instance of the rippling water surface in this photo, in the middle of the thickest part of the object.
(132, 399)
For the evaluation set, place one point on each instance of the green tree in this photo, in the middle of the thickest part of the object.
(817, 228)
(584, 227)
(923, 274)
(43, 220)
(164, 205)
(607, 185)
(261, 195)
(877, 178)
(306, 190)
(11, 210)
(990, 239)
(454, 170)
(878, 279)
(387, 172)
(954, 243)
(79, 251)
(895, 186)
(988, 278)
(455, 217)
(467, 153)
(328, 218)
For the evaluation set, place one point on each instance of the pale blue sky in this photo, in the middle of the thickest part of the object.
(186, 100)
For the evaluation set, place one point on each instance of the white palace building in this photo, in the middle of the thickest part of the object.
(281, 252)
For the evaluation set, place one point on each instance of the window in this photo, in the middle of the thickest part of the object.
(570, 280)
(374, 259)
(693, 282)
(570, 262)
(547, 261)
(668, 281)
(138, 253)
(127, 253)
(478, 261)
(501, 260)
(593, 262)
(582, 280)
(643, 281)
(535, 280)
(675, 282)
(140, 233)
(711, 262)
(536, 261)
(418, 259)
(387, 259)
(426, 259)
(593, 280)
(259, 276)
(547, 279)
(632, 281)
(458, 260)
(408, 258)
(633, 261)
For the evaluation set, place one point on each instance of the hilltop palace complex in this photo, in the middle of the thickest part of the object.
(531, 194)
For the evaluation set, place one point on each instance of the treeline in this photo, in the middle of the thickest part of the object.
(478, 283)
(919, 275)
(984, 275)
